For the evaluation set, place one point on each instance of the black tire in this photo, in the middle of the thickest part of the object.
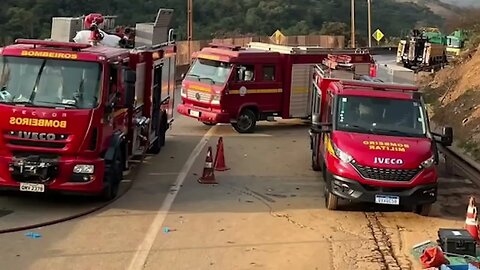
(423, 209)
(209, 124)
(160, 141)
(113, 177)
(331, 200)
(246, 122)
(316, 165)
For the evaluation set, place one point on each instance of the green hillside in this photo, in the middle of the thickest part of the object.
(217, 18)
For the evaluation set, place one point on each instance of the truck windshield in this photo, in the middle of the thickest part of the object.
(391, 117)
(212, 72)
(49, 82)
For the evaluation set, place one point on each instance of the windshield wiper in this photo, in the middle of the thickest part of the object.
(205, 78)
(194, 75)
(17, 102)
(60, 103)
(394, 131)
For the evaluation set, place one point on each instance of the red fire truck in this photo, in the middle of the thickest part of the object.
(231, 84)
(372, 142)
(74, 114)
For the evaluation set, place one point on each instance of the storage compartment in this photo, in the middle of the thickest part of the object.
(457, 241)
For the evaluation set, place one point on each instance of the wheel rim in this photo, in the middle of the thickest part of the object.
(244, 122)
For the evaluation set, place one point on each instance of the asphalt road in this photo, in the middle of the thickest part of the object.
(266, 213)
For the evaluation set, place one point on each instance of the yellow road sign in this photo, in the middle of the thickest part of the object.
(378, 35)
(277, 37)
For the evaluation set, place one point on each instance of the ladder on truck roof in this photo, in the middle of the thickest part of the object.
(285, 49)
(379, 86)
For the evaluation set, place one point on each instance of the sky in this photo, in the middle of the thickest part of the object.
(463, 2)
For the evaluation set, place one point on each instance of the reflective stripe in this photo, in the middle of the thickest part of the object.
(257, 91)
(208, 165)
(471, 221)
(300, 90)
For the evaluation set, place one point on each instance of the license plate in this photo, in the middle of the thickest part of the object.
(194, 113)
(29, 187)
(384, 199)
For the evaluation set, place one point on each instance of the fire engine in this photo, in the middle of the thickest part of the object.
(372, 142)
(75, 114)
(231, 84)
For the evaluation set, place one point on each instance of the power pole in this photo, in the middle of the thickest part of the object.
(369, 3)
(189, 27)
(353, 24)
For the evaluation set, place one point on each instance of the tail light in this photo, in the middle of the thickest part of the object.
(373, 70)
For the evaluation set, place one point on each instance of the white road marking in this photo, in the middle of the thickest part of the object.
(141, 254)
(163, 174)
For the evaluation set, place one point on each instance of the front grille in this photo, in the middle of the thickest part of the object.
(385, 174)
(199, 96)
(43, 144)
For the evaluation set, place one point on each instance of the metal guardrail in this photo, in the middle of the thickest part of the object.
(461, 164)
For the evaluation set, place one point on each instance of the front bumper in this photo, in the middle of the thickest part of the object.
(205, 115)
(354, 191)
(64, 180)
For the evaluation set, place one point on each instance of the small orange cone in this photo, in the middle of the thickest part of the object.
(220, 157)
(208, 176)
(471, 222)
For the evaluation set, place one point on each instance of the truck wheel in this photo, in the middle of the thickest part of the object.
(331, 200)
(209, 124)
(423, 209)
(160, 141)
(316, 166)
(246, 122)
(113, 177)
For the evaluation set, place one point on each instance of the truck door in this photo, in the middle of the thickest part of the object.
(256, 85)
(115, 112)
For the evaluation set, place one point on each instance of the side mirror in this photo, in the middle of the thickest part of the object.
(447, 136)
(318, 126)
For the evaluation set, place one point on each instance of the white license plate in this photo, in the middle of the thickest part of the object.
(29, 187)
(194, 113)
(383, 199)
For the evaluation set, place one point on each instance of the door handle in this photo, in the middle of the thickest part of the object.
(165, 101)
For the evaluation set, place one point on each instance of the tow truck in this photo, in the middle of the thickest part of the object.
(243, 85)
(76, 114)
(372, 142)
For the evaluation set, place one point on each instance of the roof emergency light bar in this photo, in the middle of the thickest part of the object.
(225, 46)
(46, 43)
(303, 49)
(382, 86)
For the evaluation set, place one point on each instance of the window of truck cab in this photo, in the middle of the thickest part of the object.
(41, 82)
(209, 71)
(381, 116)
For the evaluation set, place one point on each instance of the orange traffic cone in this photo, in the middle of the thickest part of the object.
(220, 157)
(208, 176)
(471, 222)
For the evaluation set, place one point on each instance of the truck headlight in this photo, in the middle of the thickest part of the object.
(216, 99)
(429, 162)
(183, 92)
(84, 169)
(343, 156)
